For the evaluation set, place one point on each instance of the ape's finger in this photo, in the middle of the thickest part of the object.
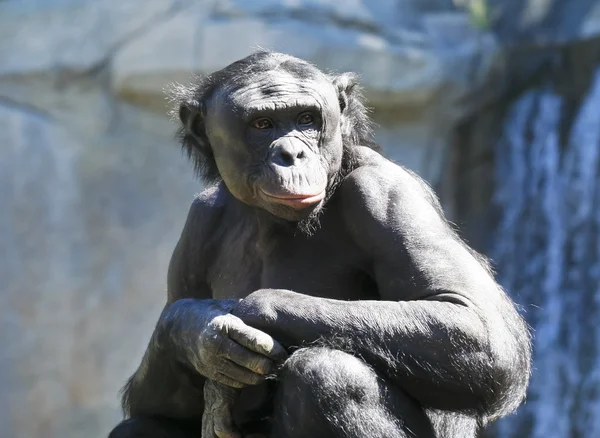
(217, 419)
(228, 381)
(239, 373)
(247, 358)
(223, 423)
(227, 434)
(208, 429)
(257, 341)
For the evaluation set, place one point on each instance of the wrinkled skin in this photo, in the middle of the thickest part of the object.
(311, 238)
(217, 419)
(224, 349)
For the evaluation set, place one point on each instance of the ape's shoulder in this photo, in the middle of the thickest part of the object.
(186, 277)
(378, 187)
(211, 198)
(207, 207)
(204, 215)
(375, 174)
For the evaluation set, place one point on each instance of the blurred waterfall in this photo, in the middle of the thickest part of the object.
(547, 251)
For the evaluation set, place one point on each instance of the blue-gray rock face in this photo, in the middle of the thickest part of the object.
(538, 156)
(86, 228)
(93, 191)
(548, 251)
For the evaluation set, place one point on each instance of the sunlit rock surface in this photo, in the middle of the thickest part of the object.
(542, 231)
(94, 192)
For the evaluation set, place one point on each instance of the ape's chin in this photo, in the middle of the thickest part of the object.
(295, 215)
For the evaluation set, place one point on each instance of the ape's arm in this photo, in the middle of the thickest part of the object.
(444, 331)
(196, 336)
(162, 385)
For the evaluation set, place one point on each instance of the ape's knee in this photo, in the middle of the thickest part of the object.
(324, 392)
(131, 428)
(329, 376)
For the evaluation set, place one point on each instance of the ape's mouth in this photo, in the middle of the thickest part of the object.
(297, 201)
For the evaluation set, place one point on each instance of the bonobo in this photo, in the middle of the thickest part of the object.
(317, 289)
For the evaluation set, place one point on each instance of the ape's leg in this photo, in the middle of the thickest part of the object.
(147, 427)
(324, 392)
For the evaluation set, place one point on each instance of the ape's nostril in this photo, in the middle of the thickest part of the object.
(287, 158)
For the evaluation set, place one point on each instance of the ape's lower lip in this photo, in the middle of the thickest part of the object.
(296, 200)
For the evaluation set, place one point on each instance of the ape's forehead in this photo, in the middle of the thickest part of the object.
(278, 88)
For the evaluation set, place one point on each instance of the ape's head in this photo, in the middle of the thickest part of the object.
(275, 129)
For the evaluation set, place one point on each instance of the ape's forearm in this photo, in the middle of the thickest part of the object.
(165, 384)
(439, 352)
(161, 387)
(181, 322)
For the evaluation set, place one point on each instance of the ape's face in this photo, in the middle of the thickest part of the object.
(276, 140)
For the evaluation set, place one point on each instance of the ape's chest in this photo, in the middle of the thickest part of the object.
(326, 264)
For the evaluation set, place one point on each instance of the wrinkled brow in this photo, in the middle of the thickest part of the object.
(259, 106)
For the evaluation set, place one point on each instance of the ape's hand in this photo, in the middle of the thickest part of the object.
(203, 336)
(235, 354)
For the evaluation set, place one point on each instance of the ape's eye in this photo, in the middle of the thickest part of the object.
(262, 123)
(306, 119)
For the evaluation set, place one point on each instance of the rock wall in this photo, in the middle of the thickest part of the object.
(542, 231)
(93, 191)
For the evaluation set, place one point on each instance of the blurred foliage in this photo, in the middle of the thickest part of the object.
(479, 12)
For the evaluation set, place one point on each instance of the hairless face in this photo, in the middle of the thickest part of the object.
(275, 135)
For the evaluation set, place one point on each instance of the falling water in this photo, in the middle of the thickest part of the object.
(547, 251)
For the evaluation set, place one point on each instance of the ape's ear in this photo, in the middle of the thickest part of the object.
(186, 111)
(345, 84)
(355, 123)
(192, 114)
(194, 140)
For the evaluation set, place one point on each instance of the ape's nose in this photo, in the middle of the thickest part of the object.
(287, 152)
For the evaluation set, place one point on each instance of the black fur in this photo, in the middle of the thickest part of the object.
(308, 235)
(357, 130)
